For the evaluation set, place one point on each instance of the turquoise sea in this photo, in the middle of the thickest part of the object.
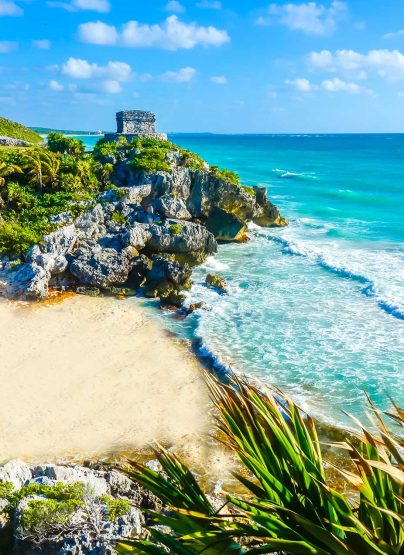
(316, 308)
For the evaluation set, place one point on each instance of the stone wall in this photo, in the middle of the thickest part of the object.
(135, 123)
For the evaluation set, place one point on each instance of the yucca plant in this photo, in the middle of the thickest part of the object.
(291, 506)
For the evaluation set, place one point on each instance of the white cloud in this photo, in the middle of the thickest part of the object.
(111, 86)
(55, 85)
(209, 5)
(183, 75)
(170, 35)
(387, 64)
(219, 79)
(98, 32)
(311, 18)
(82, 69)
(8, 7)
(394, 35)
(7, 46)
(336, 85)
(42, 44)
(102, 6)
(301, 84)
(329, 85)
(174, 7)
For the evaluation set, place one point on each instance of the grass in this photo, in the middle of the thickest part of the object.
(290, 506)
(17, 131)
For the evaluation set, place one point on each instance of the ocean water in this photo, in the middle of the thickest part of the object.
(316, 308)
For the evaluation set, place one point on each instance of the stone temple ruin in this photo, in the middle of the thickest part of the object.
(132, 124)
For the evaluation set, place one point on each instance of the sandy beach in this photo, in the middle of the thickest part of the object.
(92, 376)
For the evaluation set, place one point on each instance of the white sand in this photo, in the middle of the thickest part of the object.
(90, 376)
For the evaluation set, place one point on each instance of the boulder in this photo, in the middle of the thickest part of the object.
(94, 480)
(29, 282)
(217, 282)
(136, 236)
(227, 227)
(136, 194)
(90, 225)
(172, 207)
(176, 236)
(166, 276)
(16, 472)
(177, 183)
(140, 267)
(63, 218)
(266, 214)
(102, 268)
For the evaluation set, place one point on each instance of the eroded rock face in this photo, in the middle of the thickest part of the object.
(227, 227)
(176, 236)
(30, 282)
(103, 267)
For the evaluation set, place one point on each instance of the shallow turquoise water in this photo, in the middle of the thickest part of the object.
(318, 307)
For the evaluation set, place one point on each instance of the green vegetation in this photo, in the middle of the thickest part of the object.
(249, 190)
(227, 175)
(118, 218)
(175, 229)
(37, 183)
(17, 131)
(65, 145)
(289, 505)
(54, 509)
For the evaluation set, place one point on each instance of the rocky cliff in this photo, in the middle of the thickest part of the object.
(147, 230)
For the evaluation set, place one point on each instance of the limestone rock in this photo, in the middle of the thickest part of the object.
(137, 236)
(217, 282)
(29, 282)
(102, 268)
(172, 207)
(93, 480)
(165, 276)
(266, 213)
(227, 227)
(17, 472)
(90, 225)
(177, 236)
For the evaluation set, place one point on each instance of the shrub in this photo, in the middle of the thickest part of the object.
(175, 229)
(288, 504)
(150, 160)
(16, 238)
(118, 218)
(249, 190)
(224, 174)
(57, 142)
(115, 507)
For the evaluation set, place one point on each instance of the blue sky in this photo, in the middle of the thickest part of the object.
(205, 65)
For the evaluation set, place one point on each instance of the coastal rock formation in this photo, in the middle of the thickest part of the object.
(148, 229)
(8, 141)
(61, 509)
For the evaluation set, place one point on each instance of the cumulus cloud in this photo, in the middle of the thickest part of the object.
(55, 85)
(311, 18)
(102, 6)
(42, 44)
(7, 46)
(333, 85)
(209, 5)
(78, 68)
(387, 64)
(8, 7)
(174, 7)
(98, 32)
(301, 84)
(394, 34)
(183, 75)
(172, 34)
(111, 86)
(219, 79)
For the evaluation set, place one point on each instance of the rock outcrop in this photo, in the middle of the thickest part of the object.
(148, 231)
(66, 510)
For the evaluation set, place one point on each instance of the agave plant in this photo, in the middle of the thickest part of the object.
(291, 506)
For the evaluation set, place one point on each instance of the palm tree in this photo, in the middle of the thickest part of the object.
(42, 167)
(290, 506)
(7, 169)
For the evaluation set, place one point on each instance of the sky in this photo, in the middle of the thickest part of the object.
(222, 66)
